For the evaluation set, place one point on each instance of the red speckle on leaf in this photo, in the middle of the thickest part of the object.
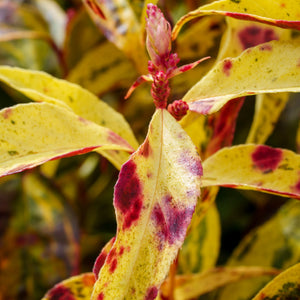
(128, 197)
(96, 9)
(296, 187)
(88, 280)
(151, 293)
(171, 221)
(115, 138)
(100, 296)
(113, 265)
(99, 263)
(7, 113)
(227, 65)
(60, 292)
(146, 149)
(202, 107)
(254, 35)
(192, 164)
(265, 47)
(266, 159)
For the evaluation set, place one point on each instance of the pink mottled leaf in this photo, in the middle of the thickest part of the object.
(154, 198)
(267, 68)
(281, 13)
(255, 167)
(75, 288)
(51, 132)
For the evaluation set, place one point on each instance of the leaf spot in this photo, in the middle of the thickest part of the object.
(227, 65)
(151, 293)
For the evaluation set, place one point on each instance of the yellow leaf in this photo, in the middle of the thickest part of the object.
(200, 249)
(194, 285)
(103, 68)
(268, 108)
(281, 13)
(268, 68)
(284, 287)
(34, 133)
(155, 198)
(254, 167)
(78, 287)
(39, 86)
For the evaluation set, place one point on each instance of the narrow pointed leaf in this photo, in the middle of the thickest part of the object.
(281, 13)
(284, 287)
(50, 132)
(254, 167)
(273, 244)
(154, 198)
(194, 285)
(78, 287)
(268, 108)
(268, 68)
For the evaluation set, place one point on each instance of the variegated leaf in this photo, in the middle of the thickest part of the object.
(101, 75)
(194, 285)
(78, 287)
(200, 249)
(155, 198)
(284, 287)
(254, 167)
(253, 72)
(39, 86)
(281, 13)
(50, 132)
(273, 244)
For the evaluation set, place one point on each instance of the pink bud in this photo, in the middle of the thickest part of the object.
(178, 109)
(158, 35)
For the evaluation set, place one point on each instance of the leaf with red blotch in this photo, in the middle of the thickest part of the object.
(34, 133)
(154, 198)
(255, 167)
(267, 68)
(281, 13)
(285, 286)
(75, 288)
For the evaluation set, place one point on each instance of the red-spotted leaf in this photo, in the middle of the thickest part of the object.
(281, 13)
(268, 68)
(154, 198)
(34, 133)
(75, 288)
(255, 167)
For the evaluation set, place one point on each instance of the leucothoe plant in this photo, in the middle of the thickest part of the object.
(168, 230)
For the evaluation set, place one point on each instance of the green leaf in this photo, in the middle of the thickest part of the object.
(254, 167)
(40, 245)
(284, 287)
(281, 13)
(155, 198)
(268, 108)
(269, 68)
(51, 132)
(39, 86)
(274, 244)
(78, 287)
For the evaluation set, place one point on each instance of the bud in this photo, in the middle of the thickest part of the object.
(158, 35)
(178, 109)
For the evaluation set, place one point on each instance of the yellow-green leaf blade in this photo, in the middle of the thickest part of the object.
(254, 167)
(78, 287)
(34, 133)
(268, 68)
(284, 13)
(285, 286)
(193, 285)
(155, 198)
(39, 86)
